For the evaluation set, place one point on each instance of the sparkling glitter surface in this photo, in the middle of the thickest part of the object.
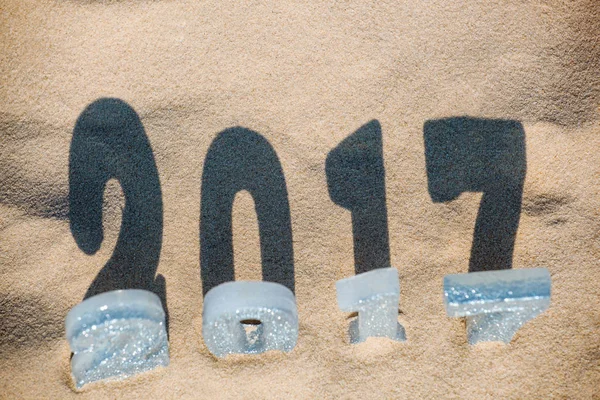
(497, 303)
(227, 306)
(374, 295)
(116, 335)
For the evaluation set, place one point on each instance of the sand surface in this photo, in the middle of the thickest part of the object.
(394, 120)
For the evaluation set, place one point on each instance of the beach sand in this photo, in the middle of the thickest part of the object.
(347, 109)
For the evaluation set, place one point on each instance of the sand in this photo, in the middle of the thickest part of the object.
(511, 90)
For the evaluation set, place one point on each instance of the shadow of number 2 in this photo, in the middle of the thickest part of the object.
(109, 142)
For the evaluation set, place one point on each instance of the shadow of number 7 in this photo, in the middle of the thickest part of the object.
(466, 154)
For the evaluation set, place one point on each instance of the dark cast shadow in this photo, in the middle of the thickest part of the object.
(108, 142)
(466, 154)
(240, 159)
(356, 181)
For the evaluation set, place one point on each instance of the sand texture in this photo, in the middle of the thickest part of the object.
(436, 137)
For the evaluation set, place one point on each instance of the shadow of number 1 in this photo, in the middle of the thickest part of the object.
(356, 181)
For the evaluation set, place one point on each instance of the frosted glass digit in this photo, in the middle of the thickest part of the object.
(116, 335)
(374, 295)
(227, 308)
(497, 303)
